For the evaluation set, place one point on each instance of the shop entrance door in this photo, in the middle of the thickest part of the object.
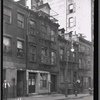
(32, 82)
(54, 83)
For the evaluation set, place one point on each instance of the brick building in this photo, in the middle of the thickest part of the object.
(29, 49)
(68, 63)
(85, 64)
(14, 45)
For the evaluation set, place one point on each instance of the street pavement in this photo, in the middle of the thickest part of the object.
(55, 97)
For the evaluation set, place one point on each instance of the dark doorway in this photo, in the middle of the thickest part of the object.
(32, 82)
(20, 83)
(54, 83)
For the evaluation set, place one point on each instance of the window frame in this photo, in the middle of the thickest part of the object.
(71, 22)
(53, 58)
(74, 56)
(61, 54)
(44, 60)
(80, 63)
(9, 51)
(22, 22)
(10, 17)
(52, 38)
(33, 28)
(33, 53)
(21, 52)
(43, 81)
(71, 10)
(68, 55)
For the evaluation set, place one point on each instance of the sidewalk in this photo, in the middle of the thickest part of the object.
(50, 97)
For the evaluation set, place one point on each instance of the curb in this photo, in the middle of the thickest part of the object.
(77, 97)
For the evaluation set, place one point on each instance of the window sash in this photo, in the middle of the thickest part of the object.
(6, 41)
(32, 57)
(33, 50)
(43, 80)
(71, 22)
(44, 55)
(32, 24)
(32, 31)
(53, 57)
(20, 19)
(20, 24)
(71, 7)
(20, 44)
(7, 18)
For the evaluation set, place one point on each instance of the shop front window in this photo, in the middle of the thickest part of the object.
(43, 80)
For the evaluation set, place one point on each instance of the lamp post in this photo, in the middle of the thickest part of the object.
(66, 70)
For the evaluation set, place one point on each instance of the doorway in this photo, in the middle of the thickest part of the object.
(32, 82)
(20, 83)
(54, 83)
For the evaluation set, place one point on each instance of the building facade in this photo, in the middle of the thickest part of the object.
(30, 52)
(14, 46)
(85, 64)
(68, 63)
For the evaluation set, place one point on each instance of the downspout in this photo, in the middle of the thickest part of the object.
(26, 75)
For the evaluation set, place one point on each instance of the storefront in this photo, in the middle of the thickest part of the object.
(38, 82)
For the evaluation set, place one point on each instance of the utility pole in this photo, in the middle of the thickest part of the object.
(66, 77)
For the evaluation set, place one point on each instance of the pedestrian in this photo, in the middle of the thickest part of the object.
(6, 85)
(77, 86)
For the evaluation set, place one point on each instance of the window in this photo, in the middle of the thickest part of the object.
(6, 44)
(52, 35)
(32, 27)
(32, 53)
(74, 56)
(44, 28)
(43, 54)
(43, 80)
(88, 50)
(71, 8)
(71, 22)
(68, 55)
(53, 57)
(32, 24)
(4, 74)
(61, 53)
(84, 63)
(80, 63)
(86, 82)
(20, 20)
(7, 15)
(19, 48)
(62, 76)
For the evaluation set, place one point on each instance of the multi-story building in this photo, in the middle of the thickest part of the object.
(85, 64)
(29, 49)
(68, 63)
(73, 15)
(14, 46)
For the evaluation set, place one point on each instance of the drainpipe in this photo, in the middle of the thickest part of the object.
(26, 55)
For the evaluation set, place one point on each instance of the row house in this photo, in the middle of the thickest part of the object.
(68, 63)
(42, 52)
(30, 53)
(85, 72)
(14, 46)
